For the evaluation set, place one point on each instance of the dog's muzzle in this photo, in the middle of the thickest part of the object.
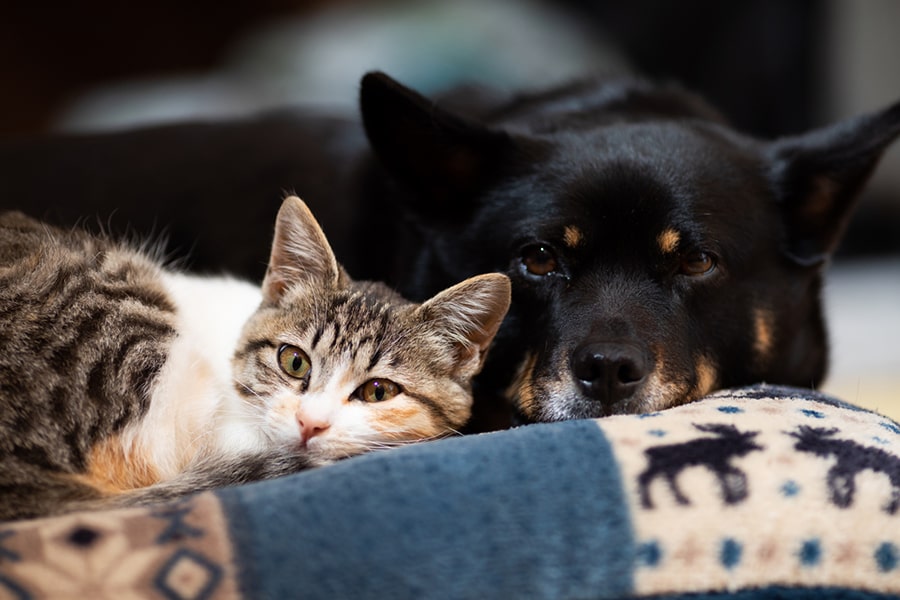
(610, 372)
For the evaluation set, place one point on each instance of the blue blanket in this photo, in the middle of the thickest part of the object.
(760, 492)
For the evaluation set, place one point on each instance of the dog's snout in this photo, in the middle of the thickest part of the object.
(609, 371)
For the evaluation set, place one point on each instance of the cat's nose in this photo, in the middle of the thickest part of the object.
(311, 426)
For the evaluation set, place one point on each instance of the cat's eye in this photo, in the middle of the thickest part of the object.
(539, 259)
(377, 390)
(697, 263)
(294, 361)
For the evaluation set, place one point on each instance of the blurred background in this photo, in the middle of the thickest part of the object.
(773, 66)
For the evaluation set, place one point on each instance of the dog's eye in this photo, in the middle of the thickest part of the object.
(697, 263)
(539, 259)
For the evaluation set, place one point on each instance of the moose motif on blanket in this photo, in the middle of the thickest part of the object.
(852, 459)
(715, 453)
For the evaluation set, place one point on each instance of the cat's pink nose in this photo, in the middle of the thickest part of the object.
(311, 426)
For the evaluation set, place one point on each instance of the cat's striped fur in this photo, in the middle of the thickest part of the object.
(122, 381)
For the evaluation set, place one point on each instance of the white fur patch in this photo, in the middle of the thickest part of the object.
(194, 390)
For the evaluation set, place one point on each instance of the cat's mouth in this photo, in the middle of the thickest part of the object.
(320, 451)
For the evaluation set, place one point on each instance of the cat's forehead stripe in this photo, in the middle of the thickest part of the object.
(376, 356)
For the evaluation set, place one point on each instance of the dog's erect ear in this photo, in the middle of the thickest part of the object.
(818, 177)
(437, 153)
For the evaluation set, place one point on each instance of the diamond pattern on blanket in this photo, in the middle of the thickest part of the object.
(752, 489)
(179, 550)
(188, 574)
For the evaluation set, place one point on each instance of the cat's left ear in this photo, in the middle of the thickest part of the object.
(300, 252)
(468, 316)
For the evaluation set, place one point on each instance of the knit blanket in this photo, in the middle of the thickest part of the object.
(761, 492)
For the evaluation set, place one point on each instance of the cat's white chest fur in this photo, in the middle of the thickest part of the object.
(194, 407)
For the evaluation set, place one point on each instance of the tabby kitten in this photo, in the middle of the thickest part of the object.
(123, 382)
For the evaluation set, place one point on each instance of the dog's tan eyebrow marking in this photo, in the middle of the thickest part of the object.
(668, 241)
(572, 236)
(764, 333)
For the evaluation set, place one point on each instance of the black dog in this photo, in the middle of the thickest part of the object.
(656, 254)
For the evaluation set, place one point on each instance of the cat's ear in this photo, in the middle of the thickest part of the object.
(443, 158)
(300, 252)
(468, 316)
(817, 177)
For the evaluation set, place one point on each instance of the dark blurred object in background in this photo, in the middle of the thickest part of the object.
(51, 53)
(754, 58)
(773, 67)
(757, 60)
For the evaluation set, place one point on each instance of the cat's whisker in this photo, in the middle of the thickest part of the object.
(249, 390)
(449, 431)
(384, 442)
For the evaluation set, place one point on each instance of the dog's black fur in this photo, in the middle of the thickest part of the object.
(656, 253)
(211, 189)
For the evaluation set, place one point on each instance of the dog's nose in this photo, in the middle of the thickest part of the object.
(609, 371)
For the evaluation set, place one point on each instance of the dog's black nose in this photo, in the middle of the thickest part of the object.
(609, 371)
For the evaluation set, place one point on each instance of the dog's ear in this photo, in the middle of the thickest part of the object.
(818, 176)
(441, 155)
